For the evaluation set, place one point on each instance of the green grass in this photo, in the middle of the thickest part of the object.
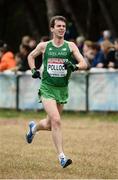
(28, 114)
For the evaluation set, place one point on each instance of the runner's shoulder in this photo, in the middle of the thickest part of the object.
(42, 45)
(71, 45)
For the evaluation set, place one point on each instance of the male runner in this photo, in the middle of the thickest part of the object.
(57, 62)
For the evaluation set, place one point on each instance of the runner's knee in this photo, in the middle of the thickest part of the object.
(56, 122)
(48, 124)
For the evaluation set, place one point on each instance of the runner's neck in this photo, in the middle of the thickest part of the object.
(58, 42)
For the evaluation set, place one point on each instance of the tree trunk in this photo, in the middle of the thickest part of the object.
(4, 13)
(53, 8)
(32, 19)
(107, 16)
(92, 20)
(69, 10)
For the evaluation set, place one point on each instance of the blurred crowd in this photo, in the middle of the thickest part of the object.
(17, 62)
(100, 54)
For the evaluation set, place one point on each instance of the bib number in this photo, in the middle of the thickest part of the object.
(55, 67)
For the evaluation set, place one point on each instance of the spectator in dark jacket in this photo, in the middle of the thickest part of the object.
(113, 56)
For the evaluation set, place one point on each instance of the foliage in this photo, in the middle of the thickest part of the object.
(18, 18)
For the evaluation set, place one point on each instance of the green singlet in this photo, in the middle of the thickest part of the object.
(54, 83)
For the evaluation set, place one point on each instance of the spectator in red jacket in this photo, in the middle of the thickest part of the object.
(7, 60)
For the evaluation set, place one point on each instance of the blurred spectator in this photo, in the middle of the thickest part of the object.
(7, 60)
(113, 55)
(21, 58)
(25, 40)
(106, 35)
(27, 45)
(87, 47)
(98, 56)
(32, 43)
(44, 38)
(80, 42)
(106, 47)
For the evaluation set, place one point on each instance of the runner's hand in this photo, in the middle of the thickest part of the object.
(35, 73)
(73, 67)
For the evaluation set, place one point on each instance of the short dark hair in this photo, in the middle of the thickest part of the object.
(96, 46)
(54, 18)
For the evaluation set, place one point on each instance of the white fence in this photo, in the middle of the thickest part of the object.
(88, 91)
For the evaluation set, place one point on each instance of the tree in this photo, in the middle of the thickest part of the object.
(89, 17)
(92, 22)
(107, 16)
(53, 8)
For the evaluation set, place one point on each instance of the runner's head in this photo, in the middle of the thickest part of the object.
(57, 18)
(58, 26)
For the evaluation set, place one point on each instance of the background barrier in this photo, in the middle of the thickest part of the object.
(8, 91)
(103, 91)
(28, 93)
(77, 92)
(88, 91)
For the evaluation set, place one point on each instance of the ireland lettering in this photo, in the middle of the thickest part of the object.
(57, 53)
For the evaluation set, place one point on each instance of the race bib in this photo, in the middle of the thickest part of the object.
(55, 67)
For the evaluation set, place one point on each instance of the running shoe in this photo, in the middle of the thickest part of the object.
(65, 162)
(30, 134)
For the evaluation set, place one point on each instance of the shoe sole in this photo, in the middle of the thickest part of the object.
(69, 161)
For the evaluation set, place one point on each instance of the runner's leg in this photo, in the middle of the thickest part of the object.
(45, 124)
(51, 108)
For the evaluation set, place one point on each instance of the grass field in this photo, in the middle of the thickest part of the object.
(91, 140)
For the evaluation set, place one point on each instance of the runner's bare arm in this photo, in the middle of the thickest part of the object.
(81, 61)
(40, 48)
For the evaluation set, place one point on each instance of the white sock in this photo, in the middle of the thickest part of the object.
(61, 155)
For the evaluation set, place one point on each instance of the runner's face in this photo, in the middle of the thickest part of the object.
(59, 28)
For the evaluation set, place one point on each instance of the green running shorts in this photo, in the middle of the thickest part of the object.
(60, 94)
